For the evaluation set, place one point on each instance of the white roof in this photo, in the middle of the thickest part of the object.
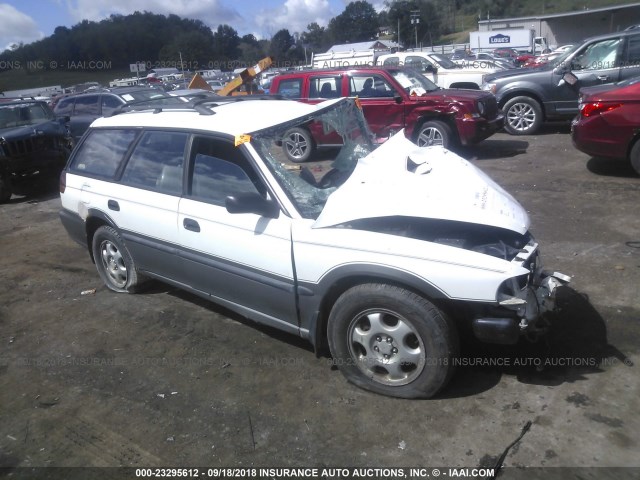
(370, 45)
(233, 118)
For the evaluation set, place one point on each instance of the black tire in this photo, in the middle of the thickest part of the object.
(391, 341)
(6, 189)
(113, 261)
(634, 157)
(434, 132)
(298, 144)
(523, 116)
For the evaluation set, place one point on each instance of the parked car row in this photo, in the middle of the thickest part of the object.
(394, 97)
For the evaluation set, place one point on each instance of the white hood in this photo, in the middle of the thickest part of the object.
(401, 179)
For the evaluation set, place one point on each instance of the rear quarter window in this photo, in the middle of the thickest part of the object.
(102, 152)
(290, 88)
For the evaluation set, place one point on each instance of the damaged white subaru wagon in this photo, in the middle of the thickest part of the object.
(384, 259)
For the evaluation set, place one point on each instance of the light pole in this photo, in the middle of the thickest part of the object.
(415, 20)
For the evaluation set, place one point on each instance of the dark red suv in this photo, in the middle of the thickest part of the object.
(392, 99)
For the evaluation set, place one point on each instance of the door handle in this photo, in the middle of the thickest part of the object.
(603, 78)
(191, 225)
(113, 205)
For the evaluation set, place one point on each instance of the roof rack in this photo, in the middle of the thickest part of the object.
(201, 105)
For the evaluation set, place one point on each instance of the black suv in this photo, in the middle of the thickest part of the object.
(550, 92)
(32, 141)
(84, 108)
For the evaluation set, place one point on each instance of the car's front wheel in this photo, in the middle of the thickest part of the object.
(113, 261)
(434, 132)
(392, 341)
(523, 116)
(298, 145)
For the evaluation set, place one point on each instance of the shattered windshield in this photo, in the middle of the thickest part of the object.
(23, 114)
(341, 126)
(413, 82)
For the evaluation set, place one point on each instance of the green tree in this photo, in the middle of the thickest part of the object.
(251, 50)
(315, 38)
(357, 23)
(427, 30)
(226, 45)
(280, 45)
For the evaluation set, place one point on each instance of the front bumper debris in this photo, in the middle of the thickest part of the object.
(523, 303)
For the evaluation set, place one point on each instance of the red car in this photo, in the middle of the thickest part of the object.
(392, 99)
(608, 124)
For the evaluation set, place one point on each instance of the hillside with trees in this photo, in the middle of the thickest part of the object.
(161, 40)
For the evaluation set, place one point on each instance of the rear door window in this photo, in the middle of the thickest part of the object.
(87, 105)
(325, 87)
(290, 88)
(102, 152)
(157, 162)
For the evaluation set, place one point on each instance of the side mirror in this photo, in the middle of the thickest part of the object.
(570, 78)
(431, 69)
(397, 99)
(252, 203)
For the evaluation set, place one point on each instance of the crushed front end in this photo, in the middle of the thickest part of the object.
(523, 301)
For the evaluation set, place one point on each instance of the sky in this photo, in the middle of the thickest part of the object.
(29, 20)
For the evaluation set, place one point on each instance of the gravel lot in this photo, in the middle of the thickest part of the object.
(163, 378)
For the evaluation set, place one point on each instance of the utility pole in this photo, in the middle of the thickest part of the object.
(415, 20)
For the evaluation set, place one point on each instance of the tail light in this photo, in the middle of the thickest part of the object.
(594, 108)
(63, 181)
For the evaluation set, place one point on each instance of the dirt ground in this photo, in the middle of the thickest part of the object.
(163, 378)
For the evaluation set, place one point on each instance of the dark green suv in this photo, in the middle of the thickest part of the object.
(32, 141)
(530, 97)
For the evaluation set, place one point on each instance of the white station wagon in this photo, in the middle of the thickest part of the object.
(383, 260)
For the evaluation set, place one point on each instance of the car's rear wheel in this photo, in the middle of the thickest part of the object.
(113, 261)
(523, 116)
(392, 341)
(634, 157)
(298, 144)
(5, 188)
(434, 132)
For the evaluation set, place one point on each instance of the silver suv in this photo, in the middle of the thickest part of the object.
(382, 259)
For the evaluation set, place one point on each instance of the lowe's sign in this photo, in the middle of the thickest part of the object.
(499, 38)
